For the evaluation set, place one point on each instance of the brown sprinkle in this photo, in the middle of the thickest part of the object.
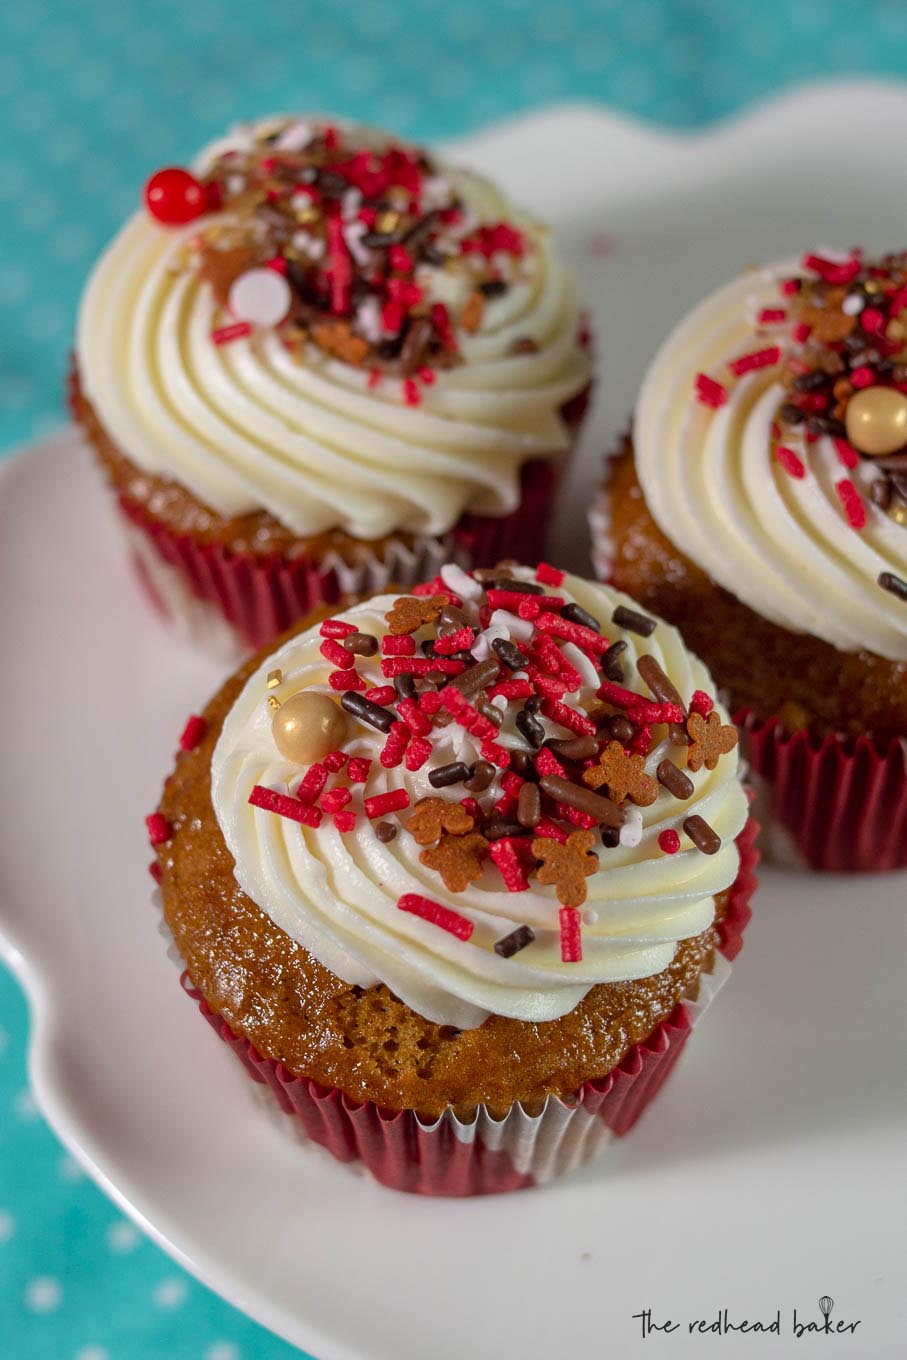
(675, 780)
(483, 773)
(445, 775)
(361, 644)
(702, 835)
(658, 682)
(385, 831)
(574, 795)
(477, 677)
(896, 585)
(632, 621)
(512, 944)
(612, 661)
(472, 313)
(575, 748)
(620, 728)
(529, 805)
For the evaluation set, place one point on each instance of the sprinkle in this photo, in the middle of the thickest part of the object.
(568, 717)
(445, 775)
(223, 335)
(583, 800)
(382, 803)
(159, 829)
(358, 768)
(669, 842)
(852, 502)
(632, 621)
(759, 358)
(260, 296)
(334, 801)
(789, 460)
(847, 454)
(336, 628)
(833, 271)
(495, 754)
(192, 733)
(344, 821)
(788, 287)
(393, 750)
(346, 681)
(507, 860)
(674, 779)
(273, 703)
(709, 392)
(411, 394)
(385, 831)
(770, 315)
(529, 805)
(275, 678)
(862, 376)
(462, 584)
(367, 712)
(285, 806)
(896, 585)
(548, 575)
(657, 681)
(361, 644)
(511, 689)
(437, 914)
(547, 763)
(381, 694)
(631, 831)
(335, 761)
(400, 645)
(338, 655)
(550, 831)
(460, 641)
(571, 935)
(413, 716)
(702, 835)
(701, 703)
(512, 944)
(418, 665)
(313, 782)
(155, 871)
(417, 753)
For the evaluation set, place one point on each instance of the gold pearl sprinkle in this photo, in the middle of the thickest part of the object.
(275, 678)
(387, 221)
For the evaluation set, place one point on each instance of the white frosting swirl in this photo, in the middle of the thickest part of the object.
(337, 894)
(245, 426)
(782, 545)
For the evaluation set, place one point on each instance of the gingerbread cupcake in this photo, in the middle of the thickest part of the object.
(456, 872)
(761, 506)
(320, 362)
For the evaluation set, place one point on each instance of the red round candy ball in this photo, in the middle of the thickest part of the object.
(173, 196)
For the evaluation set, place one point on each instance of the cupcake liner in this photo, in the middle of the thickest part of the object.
(449, 1156)
(840, 805)
(230, 603)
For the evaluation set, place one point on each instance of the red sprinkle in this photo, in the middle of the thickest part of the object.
(155, 871)
(341, 270)
(382, 695)
(710, 392)
(222, 335)
(571, 936)
(437, 914)
(546, 762)
(417, 753)
(757, 358)
(393, 750)
(872, 320)
(508, 864)
(549, 831)
(511, 689)
(770, 315)
(411, 394)
(285, 806)
(383, 803)
(460, 641)
(585, 638)
(801, 332)
(669, 842)
(312, 783)
(701, 703)
(335, 761)
(863, 376)
(342, 680)
(790, 461)
(568, 717)
(832, 271)
(847, 454)
(548, 575)
(421, 665)
(852, 502)
(344, 821)
(192, 733)
(358, 768)
(789, 286)
(336, 628)
(495, 754)
(159, 829)
(337, 799)
(392, 645)
(332, 651)
(413, 716)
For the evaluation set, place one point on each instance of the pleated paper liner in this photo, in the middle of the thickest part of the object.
(842, 804)
(484, 1155)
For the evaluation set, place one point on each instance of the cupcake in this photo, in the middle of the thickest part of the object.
(321, 362)
(456, 872)
(760, 505)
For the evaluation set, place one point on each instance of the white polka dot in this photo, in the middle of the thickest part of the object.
(69, 1170)
(45, 321)
(15, 284)
(122, 1236)
(452, 79)
(641, 22)
(125, 110)
(7, 1226)
(93, 1353)
(169, 1293)
(541, 79)
(24, 1103)
(43, 1294)
(212, 101)
(222, 1350)
(397, 109)
(633, 85)
(198, 20)
(145, 47)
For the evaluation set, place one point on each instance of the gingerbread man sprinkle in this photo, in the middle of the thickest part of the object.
(624, 775)
(567, 866)
(710, 739)
(410, 613)
(458, 859)
(433, 816)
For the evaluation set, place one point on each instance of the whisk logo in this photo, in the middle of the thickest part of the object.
(826, 1326)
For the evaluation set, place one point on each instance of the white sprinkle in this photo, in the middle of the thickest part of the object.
(261, 296)
(499, 701)
(350, 203)
(236, 184)
(294, 137)
(435, 192)
(353, 233)
(456, 579)
(43, 1294)
(590, 917)
(368, 319)
(520, 630)
(310, 245)
(300, 201)
(581, 662)
(853, 304)
(631, 831)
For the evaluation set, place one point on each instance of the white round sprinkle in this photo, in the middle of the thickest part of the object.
(455, 577)
(261, 296)
(853, 304)
(590, 917)
(43, 1294)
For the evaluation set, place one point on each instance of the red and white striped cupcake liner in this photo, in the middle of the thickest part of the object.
(486, 1155)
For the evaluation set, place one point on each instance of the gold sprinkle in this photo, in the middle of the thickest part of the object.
(899, 514)
(872, 286)
(387, 221)
(895, 330)
(307, 216)
(275, 678)
(273, 703)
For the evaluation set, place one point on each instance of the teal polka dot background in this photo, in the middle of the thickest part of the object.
(93, 96)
